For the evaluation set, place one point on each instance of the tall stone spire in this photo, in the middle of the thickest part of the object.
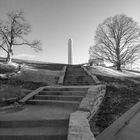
(70, 51)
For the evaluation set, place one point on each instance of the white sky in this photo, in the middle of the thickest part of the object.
(55, 21)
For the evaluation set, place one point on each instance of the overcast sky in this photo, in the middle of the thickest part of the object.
(55, 21)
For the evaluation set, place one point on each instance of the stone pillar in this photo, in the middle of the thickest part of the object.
(70, 51)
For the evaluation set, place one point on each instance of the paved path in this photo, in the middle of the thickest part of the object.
(34, 122)
(32, 112)
(127, 127)
(130, 131)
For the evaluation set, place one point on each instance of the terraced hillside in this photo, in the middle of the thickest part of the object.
(32, 75)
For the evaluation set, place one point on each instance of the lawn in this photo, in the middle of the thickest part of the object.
(121, 94)
(31, 77)
(50, 77)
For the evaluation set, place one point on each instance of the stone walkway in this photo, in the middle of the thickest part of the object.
(32, 112)
(34, 122)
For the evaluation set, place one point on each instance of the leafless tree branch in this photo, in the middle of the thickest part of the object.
(13, 32)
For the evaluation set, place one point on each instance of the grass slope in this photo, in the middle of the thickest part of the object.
(32, 76)
(121, 94)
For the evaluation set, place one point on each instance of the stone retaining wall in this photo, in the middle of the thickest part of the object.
(93, 99)
(91, 75)
(62, 75)
(79, 128)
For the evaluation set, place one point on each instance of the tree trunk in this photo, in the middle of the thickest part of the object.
(118, 57)
(119, 66)
(8, 59)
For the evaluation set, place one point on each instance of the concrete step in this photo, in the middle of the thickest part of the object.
(78, 77)
(75, 76)
(78, 83)
(74, 93)
(75, 72)
(79, 80)
(59, 97)
(34, 123)
(35, 133)
(66, 89)
(69, 104)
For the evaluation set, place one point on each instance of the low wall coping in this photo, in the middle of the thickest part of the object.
(62, 75)
(30, 95)
(79, 128)
(89, 101)
(91, 75)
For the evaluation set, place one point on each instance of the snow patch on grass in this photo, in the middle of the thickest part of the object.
(99, 70)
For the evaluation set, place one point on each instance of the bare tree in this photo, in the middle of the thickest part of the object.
(13, 32)
(117, 41)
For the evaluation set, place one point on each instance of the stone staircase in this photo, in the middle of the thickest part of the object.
(63, 97)
(75, 75)
(55, 128)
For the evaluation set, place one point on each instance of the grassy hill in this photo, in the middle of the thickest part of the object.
(37, 64)
(32, 75)
(122, 92)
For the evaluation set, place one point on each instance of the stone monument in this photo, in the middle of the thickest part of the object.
(70, 51)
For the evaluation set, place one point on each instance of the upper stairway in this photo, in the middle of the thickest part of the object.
(75, 75)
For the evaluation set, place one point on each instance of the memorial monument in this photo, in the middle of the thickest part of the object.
(70, 51)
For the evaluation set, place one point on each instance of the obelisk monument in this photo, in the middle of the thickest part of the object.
(70, 51)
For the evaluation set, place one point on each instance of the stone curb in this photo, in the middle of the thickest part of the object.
(62, 75)
(30, 95)
(91, 75)
(109, 132)
(79, 128)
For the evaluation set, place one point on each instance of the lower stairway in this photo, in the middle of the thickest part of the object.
(75, 75)
(45, 116)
